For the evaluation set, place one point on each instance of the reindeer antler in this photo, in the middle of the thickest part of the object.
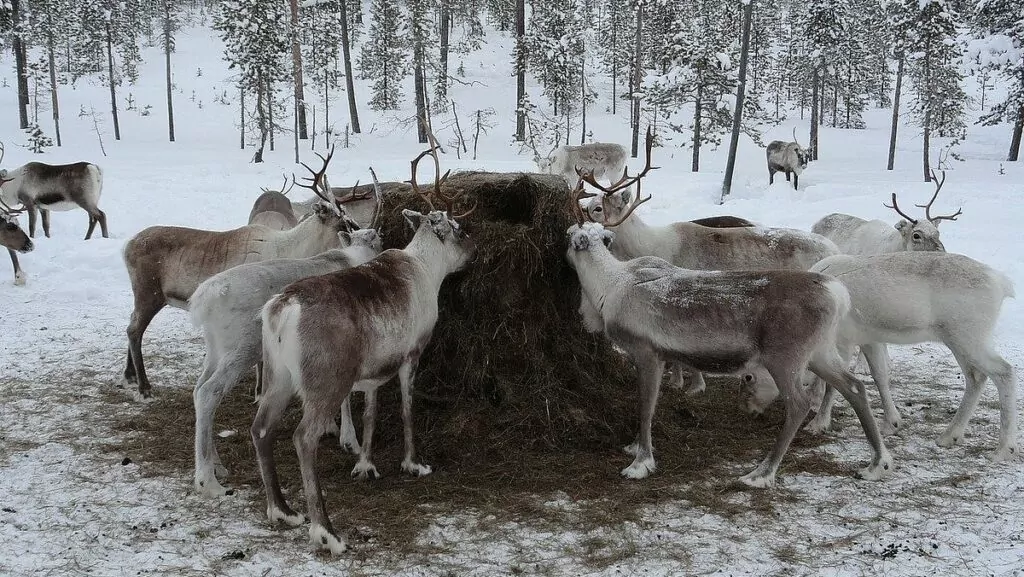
(625, 182)
(576, 195)
(928, 207)
(2, 151)
(318, 183)
(380, 200)
(896, 207)
(282, 190)
(439, 180)
(4, 207)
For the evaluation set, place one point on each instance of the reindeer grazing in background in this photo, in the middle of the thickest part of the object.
(227, 307)
(47, 187)
(788, 157)
(166, 263)
(734, 322)
(326, 336)
(697, 247)
(600, 159)
(13, 238)
(272, 209)
(858, 236)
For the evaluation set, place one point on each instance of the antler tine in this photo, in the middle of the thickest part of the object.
(938, 186)
(2, 151)
(285, 184)
(380, 200)
(415, 187)
(4, 207)
(575, 195)
(318, 184)
(633, 206)
(896, 207)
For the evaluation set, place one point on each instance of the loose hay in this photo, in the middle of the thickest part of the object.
(514, 400)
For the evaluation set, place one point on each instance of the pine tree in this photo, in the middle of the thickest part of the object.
(555, 51)
(825, 29)
(383, 58)
(940, 102)
(322, 27)
(1001, 25)
(614, 47)
(255, 35)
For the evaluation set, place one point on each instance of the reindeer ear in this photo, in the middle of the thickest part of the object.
(413, 218)
(902, 225)
(345, 237)
(322, 211)
(626, 196)
(580, 242)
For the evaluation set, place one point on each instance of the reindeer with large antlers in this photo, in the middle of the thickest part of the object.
(735, 322)
(326, 336)
(166, 263)
(13, 238)
(858, 236)
(693, 246)
(272, 208)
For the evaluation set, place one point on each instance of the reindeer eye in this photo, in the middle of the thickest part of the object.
(917, 236)
(598, 209)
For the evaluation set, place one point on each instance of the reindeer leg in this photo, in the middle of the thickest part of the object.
(787, 176)
(30, 208)
(19, 275)
(830, 366)
(796, 179)
(650, 370)
(876, 356)
(317, 419)
(771, 177)
(207, 396)
(798, 404)
(365, 468)
(45, 217)
(347, 431)
(407, 376)
(92, 225)
(97, 216)
(258, 393)
(141, 317)
(263, 433)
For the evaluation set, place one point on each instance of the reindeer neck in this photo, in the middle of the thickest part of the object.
(597, 270)
(634, 238)
(307, 238)
(428, 250)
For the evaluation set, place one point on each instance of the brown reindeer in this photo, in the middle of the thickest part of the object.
(13, 238)
(272, 209)
(166, 263)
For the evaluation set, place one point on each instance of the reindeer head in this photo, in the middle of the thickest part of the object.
(364, 237)
(330, 210)
(803, 155)
(923, 234)
(11, 235)
(617, 201)
(458, 248)
(587, 237)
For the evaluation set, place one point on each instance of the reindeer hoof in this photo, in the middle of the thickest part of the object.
(819, 425)
(321, 538)
(640, 468)
(695, 389)
(211, 488)
(947, 439)
(365, 471)
(286, 516)
(1004, 454)
(877, 470)
(19, 279)
(890, 428)
(758, 480)
(416, 469)
(632, 448)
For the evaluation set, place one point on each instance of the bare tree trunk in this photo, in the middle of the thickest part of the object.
(695, 166)
(300, 99)
(614, 7)
(583, 99)
(445, 17)
(419, 83)
(737, 119)
(53, 77)
(1018, 128)
(346, 50)
(20, 65)
(110, 74)
(261, 118)
(167, 68)
(929, 95)
(637, 78)
(895, 112)
(520, 71)
(815, 112)
(270, 112)
(241, 104)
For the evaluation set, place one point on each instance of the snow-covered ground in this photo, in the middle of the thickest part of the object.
(70, 508)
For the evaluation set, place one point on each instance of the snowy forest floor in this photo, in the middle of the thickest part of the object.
(82, 497)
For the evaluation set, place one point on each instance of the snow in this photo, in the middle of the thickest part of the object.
(70, 508)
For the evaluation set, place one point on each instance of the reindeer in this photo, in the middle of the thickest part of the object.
(328, 335)
(272, 209)
(227, 307)
(732, 322)
(858, 236)
(725, 221)
(788, 157)
(166, 263)
(13, 238)
(47, 187)
(915, 297)
(359, 202)
(693, 246)
(601, 159)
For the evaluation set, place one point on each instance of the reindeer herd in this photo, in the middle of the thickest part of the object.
(305, 294)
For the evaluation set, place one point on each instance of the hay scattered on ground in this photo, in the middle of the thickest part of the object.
(515, 402)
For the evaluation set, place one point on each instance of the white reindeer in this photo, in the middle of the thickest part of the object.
(601, 159)
(787, 157)
(166, 263)
(47, 187)
(324, 336)
(227, 307)
(915, 297)
(692, 246)
(780, 322)
(858, 236)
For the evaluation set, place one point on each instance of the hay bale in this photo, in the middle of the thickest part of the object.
(510, 364)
